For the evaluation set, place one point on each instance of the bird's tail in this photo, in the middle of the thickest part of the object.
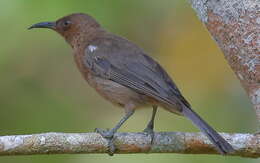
(222, 145)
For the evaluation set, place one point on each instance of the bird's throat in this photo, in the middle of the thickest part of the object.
(81, 40)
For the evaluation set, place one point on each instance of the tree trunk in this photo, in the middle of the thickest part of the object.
(235, 25)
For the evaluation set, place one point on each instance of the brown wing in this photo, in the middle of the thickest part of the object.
(123, 62)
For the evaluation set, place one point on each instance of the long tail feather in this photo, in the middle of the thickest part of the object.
(222, 145)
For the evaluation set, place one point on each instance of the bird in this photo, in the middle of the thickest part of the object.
(124, 74)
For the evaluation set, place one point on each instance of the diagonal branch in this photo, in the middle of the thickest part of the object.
(235, 25)
(246, 145)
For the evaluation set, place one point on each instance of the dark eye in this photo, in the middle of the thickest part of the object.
(66, 23)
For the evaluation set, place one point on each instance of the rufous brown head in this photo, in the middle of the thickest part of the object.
(71, 27)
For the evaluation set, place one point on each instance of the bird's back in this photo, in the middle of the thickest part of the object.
(109, 53)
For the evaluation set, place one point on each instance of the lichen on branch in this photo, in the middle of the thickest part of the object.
(235, 25)
(245, 145)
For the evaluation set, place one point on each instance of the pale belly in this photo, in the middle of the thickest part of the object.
(116, 93)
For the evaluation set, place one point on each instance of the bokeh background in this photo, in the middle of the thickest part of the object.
(42, 91)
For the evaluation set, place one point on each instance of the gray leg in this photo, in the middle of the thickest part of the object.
(150, 126)
(109, 134)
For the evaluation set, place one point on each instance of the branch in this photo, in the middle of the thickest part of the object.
(234, 24)
(246, 145)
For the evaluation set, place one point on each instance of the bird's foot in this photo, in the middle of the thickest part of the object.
(109, 135)
(149, 131)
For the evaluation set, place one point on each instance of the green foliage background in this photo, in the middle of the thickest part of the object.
(41, 90)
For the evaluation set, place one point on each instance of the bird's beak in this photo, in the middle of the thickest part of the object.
(50, 25)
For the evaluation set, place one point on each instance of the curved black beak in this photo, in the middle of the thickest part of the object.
(50, 25)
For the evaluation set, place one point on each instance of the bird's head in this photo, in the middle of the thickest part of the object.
(72, 27)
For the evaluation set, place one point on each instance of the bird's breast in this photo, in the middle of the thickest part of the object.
(79, 60)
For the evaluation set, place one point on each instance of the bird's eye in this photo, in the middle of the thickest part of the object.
(66, 23)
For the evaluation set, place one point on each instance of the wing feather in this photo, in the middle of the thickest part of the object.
(134, 69)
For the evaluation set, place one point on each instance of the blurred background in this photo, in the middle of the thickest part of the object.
(42, 91)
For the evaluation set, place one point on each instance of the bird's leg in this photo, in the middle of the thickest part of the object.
(150, 125)
(109, 134)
